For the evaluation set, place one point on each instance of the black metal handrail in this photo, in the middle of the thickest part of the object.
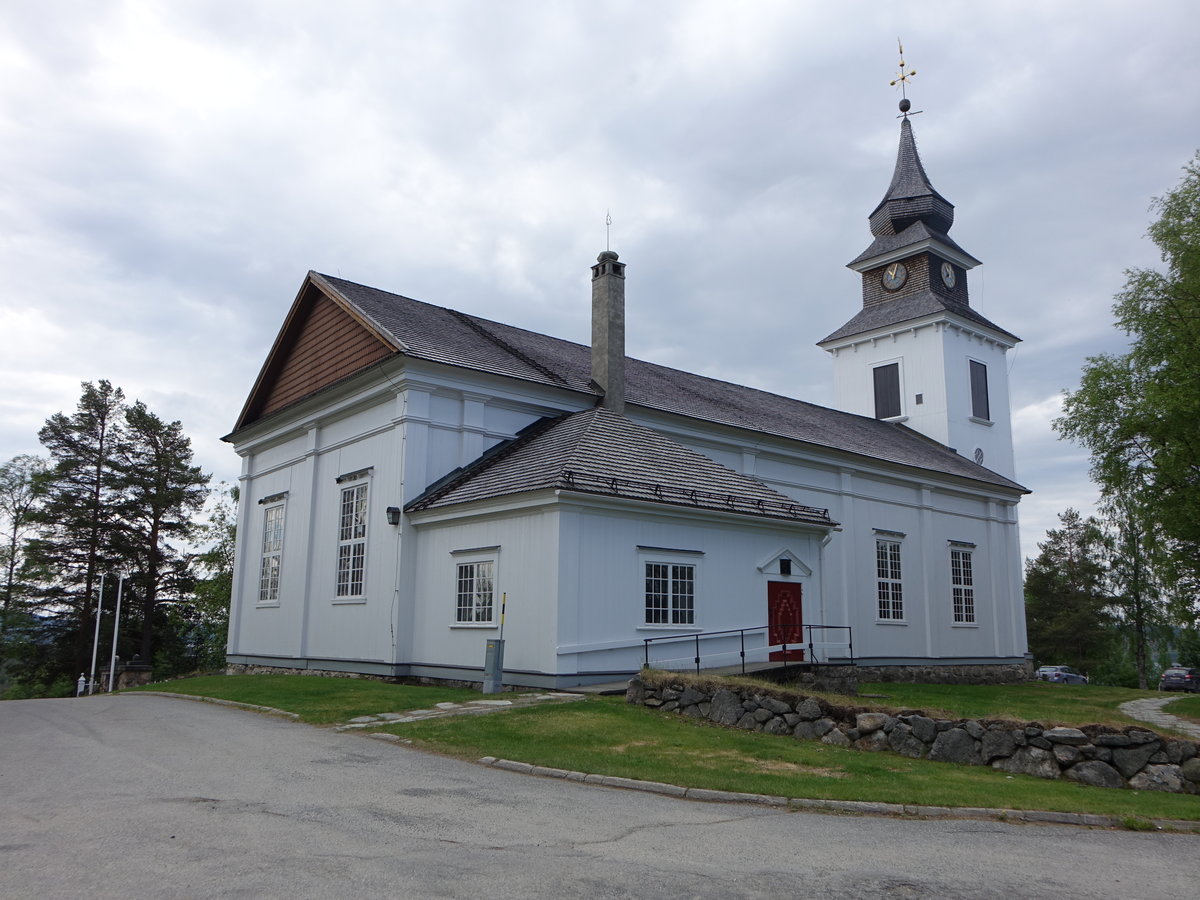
(741, 632)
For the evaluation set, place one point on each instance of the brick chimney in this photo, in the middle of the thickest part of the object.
(608, 329)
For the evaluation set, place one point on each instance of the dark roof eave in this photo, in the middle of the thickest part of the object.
(826, 524)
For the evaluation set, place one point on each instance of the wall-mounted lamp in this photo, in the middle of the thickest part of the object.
(393, 515)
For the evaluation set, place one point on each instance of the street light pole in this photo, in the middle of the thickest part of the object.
(112, 665)
(91, 689)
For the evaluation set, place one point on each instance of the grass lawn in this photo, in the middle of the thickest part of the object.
(605, 735)
(1033, 701)
(1187, 707)
(317, 700)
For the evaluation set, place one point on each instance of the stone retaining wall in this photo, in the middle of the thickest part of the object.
(1098, 755)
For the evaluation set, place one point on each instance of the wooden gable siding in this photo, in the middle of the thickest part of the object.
(330, 345)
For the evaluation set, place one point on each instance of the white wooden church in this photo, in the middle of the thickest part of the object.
(407, 468)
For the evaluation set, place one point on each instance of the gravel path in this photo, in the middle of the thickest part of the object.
(1150, 711)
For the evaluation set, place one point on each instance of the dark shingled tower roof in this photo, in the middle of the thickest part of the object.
(910, 197)
(911, 215)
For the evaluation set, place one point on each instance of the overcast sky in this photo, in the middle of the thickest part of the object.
(169, 171)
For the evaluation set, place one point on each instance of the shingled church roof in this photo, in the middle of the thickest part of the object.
(598, 451)
(422, 331)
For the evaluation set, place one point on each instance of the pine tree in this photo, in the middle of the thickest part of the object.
(78, 518)
(1066, 600)
(159, 490)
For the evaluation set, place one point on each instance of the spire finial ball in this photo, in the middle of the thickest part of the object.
(905, 105)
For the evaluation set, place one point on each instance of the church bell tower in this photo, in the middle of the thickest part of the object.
(917, 354)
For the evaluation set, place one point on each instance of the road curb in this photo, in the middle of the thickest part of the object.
(855, 807)
(295, 717)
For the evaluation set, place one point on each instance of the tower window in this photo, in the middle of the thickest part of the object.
(979, 391)
(887, 391)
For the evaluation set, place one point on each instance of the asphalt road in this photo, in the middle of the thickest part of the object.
(152, 797)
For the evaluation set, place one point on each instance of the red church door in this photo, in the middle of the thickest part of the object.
(784, 621)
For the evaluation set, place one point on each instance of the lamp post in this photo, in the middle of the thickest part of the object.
(91, 689)
(112, 665)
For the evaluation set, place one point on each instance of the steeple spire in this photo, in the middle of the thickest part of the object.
(910, 197)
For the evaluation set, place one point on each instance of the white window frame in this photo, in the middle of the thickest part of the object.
(889, 579)
(270, 568)
(476, 596)
(962, 585)
(987, 391)
(353, 511)
(676, 574)
(900, 415)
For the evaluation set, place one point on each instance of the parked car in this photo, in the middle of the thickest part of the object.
(1060, 675)
(1178, 678)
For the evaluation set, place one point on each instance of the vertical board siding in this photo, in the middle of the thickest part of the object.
(330, 346)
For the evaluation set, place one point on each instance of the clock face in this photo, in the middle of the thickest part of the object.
(948, 276)
(894, 276)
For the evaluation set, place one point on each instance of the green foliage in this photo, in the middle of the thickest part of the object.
(214, 587)
(1066, 599)
(1187, 648)
(1139, 413)
(159, 491)
(21, 491)
(120, 495)
(79, 515)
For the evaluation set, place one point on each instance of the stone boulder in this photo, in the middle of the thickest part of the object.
(1096, 773)
(869, 722)
(874, 741)
(1030, 760)
(955, 746)
(924, 728)
(1191, 770)
(836, 738)
(997, 742)
(726, 708)
(1130, 760)
(1161, 778)
(904, 742)
(809, 710)
(1072, 736)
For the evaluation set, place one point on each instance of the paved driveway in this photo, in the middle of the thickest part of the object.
(152, 797)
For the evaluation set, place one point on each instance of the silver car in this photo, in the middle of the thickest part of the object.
(1060, 675)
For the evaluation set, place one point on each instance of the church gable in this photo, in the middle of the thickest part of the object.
(321, 343)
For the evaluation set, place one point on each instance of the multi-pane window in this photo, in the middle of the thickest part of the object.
(476, 592)
(670, 594)
(272, 554)
(887, 390)
(962, 583)
(352, 540)
(887, 571)
(980, 408)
